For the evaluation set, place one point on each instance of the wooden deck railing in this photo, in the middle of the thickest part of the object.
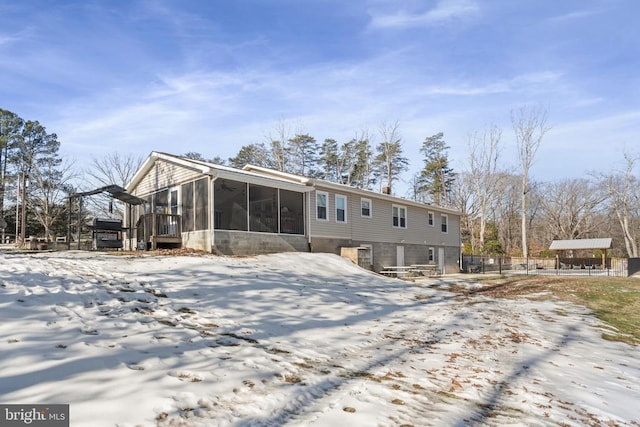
(156, 228)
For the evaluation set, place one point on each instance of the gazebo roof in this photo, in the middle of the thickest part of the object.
(116, 192)
(564, 245)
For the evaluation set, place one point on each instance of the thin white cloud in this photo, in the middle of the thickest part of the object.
(499, 86)
(579, 14)
(445, 10)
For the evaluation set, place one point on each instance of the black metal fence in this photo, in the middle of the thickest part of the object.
(616, 267)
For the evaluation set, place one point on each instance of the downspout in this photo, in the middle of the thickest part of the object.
(308, 194)
(212, 217)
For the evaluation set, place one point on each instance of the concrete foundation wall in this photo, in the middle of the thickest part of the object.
(247, 243)
(199, 240)
(385, 254)
(358, 255)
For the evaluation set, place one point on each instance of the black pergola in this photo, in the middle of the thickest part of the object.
(116, 192)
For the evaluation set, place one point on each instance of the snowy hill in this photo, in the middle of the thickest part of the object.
(299, 339)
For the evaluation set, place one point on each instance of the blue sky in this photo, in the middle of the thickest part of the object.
(211, 76)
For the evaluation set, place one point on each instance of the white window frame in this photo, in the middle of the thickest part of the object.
(326, 198)
(400, 208)
(431, 219)
(342, 197)
(431, 255)
(444, 223)
(362, 200)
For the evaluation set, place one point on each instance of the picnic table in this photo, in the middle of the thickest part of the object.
(397, 270)
(404, 271)
(426, 269)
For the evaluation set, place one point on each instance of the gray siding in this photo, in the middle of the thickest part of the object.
(330, 228)
(379, 228)
(162, 175)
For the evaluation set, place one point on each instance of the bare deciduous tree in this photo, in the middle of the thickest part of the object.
(114, 168)
(277, 142)
(506, 211)
(623, 193)
(530, 126)
(462, 199)
(570, 208)
(484, 151)
(50, 186)
(389, 161)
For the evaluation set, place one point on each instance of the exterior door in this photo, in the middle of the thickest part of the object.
(174, 209)
(400, 255)
(441, 260)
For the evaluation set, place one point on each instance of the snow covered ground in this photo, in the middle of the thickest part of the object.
(295, 339)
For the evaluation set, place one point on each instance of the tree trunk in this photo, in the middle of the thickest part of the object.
(525, 250)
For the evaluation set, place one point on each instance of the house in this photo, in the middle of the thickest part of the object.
(255, 210)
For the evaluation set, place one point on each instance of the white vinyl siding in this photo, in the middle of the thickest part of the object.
(341, 208)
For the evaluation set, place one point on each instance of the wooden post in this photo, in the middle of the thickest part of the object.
(153, 231)
(79, 219)
(69, 224)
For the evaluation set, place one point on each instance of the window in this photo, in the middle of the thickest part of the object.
(230, 198)
(430, 220)
(365, 208)
(399, 216)
(322, 205)
(201, 204)
(161, 202)
(445, 223)
(187, 206)
(263, 209)
(432, 255)
(291, 212)
(341, 208)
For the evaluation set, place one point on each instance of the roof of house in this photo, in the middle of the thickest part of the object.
(321, 183)
(258, 175)
(116, 192)
(563, 245)
(215, 170)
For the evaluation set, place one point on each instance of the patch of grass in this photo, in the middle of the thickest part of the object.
(292, 379)
(361, 374)
(448, 395)
(614, 300)
(303, 365)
